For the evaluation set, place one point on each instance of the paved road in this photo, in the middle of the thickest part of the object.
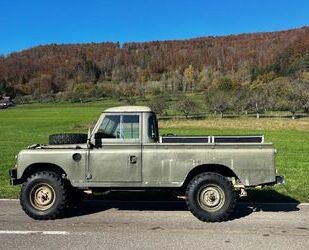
(155, 225)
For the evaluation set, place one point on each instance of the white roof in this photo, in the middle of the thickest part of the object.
(129, 109)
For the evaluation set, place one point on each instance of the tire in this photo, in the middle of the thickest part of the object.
(210, 197)
(67, 139)
(43, 196)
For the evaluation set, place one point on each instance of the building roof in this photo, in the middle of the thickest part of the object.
(129, 109)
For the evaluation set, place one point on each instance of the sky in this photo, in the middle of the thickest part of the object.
(25, 24)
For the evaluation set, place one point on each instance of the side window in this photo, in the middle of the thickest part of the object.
(119, 127)
(153, 128)
(130, 127)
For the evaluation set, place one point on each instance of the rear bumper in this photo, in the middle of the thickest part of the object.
(279, 180)
(13, 176)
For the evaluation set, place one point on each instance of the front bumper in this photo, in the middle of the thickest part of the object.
(13, 176)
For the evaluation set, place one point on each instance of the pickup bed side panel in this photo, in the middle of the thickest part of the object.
(254, 165)
(168, 164)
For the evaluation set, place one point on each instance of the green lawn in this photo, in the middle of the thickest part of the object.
(29, 124)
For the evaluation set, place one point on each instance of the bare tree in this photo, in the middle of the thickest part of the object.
(257, 102)
(187, 106)
(218, 101)
(295, 99)
(158, 104)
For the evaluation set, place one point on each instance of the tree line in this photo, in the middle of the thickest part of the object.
(278, 96)
(262, 71)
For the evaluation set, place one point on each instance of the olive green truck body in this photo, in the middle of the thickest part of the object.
(157, 165)
(125, 151)
(148, 162)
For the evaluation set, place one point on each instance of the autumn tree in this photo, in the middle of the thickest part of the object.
(188, 76)
(239, 100)
(205, 78)
(295, 98)
(128, 93)
(306, 106)
(225, 84)
(176, 80)
(87, 71)
(3, 86)
(303, 63)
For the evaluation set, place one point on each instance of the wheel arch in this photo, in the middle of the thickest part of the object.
(41, 166)
(213, 168)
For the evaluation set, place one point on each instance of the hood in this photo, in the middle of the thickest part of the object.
(60, 146)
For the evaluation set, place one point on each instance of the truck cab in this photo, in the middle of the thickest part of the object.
(119, 136)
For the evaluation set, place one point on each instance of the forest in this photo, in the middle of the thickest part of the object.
(236, 73)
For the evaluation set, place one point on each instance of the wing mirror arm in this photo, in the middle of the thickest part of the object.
(89, 138)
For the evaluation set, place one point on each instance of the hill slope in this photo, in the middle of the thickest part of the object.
(196, 63)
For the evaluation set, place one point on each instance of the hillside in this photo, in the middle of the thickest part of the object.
(170, 66)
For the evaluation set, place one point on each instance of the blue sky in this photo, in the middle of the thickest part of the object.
(24, 24)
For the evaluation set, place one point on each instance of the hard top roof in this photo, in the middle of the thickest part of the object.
(129, 109)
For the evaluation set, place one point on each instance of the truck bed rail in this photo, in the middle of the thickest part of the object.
(213, 139)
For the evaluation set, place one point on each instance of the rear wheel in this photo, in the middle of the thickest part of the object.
(43, 196)
(210, 197)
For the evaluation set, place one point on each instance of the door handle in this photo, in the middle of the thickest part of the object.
(133, 159)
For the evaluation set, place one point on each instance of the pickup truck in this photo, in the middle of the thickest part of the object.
(125, 152)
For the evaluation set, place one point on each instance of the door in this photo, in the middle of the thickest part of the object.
(119, 157)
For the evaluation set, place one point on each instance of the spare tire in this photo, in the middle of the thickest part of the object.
(67, 139)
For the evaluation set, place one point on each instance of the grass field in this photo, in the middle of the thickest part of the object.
(29, 124)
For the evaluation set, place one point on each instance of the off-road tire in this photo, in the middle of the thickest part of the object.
(206, 181)
(51, 180)
(57, 139)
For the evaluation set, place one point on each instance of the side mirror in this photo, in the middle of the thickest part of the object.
(98, 136)
(98, 139)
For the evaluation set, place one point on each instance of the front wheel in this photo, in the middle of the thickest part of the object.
(210, 197)
(43, 196)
